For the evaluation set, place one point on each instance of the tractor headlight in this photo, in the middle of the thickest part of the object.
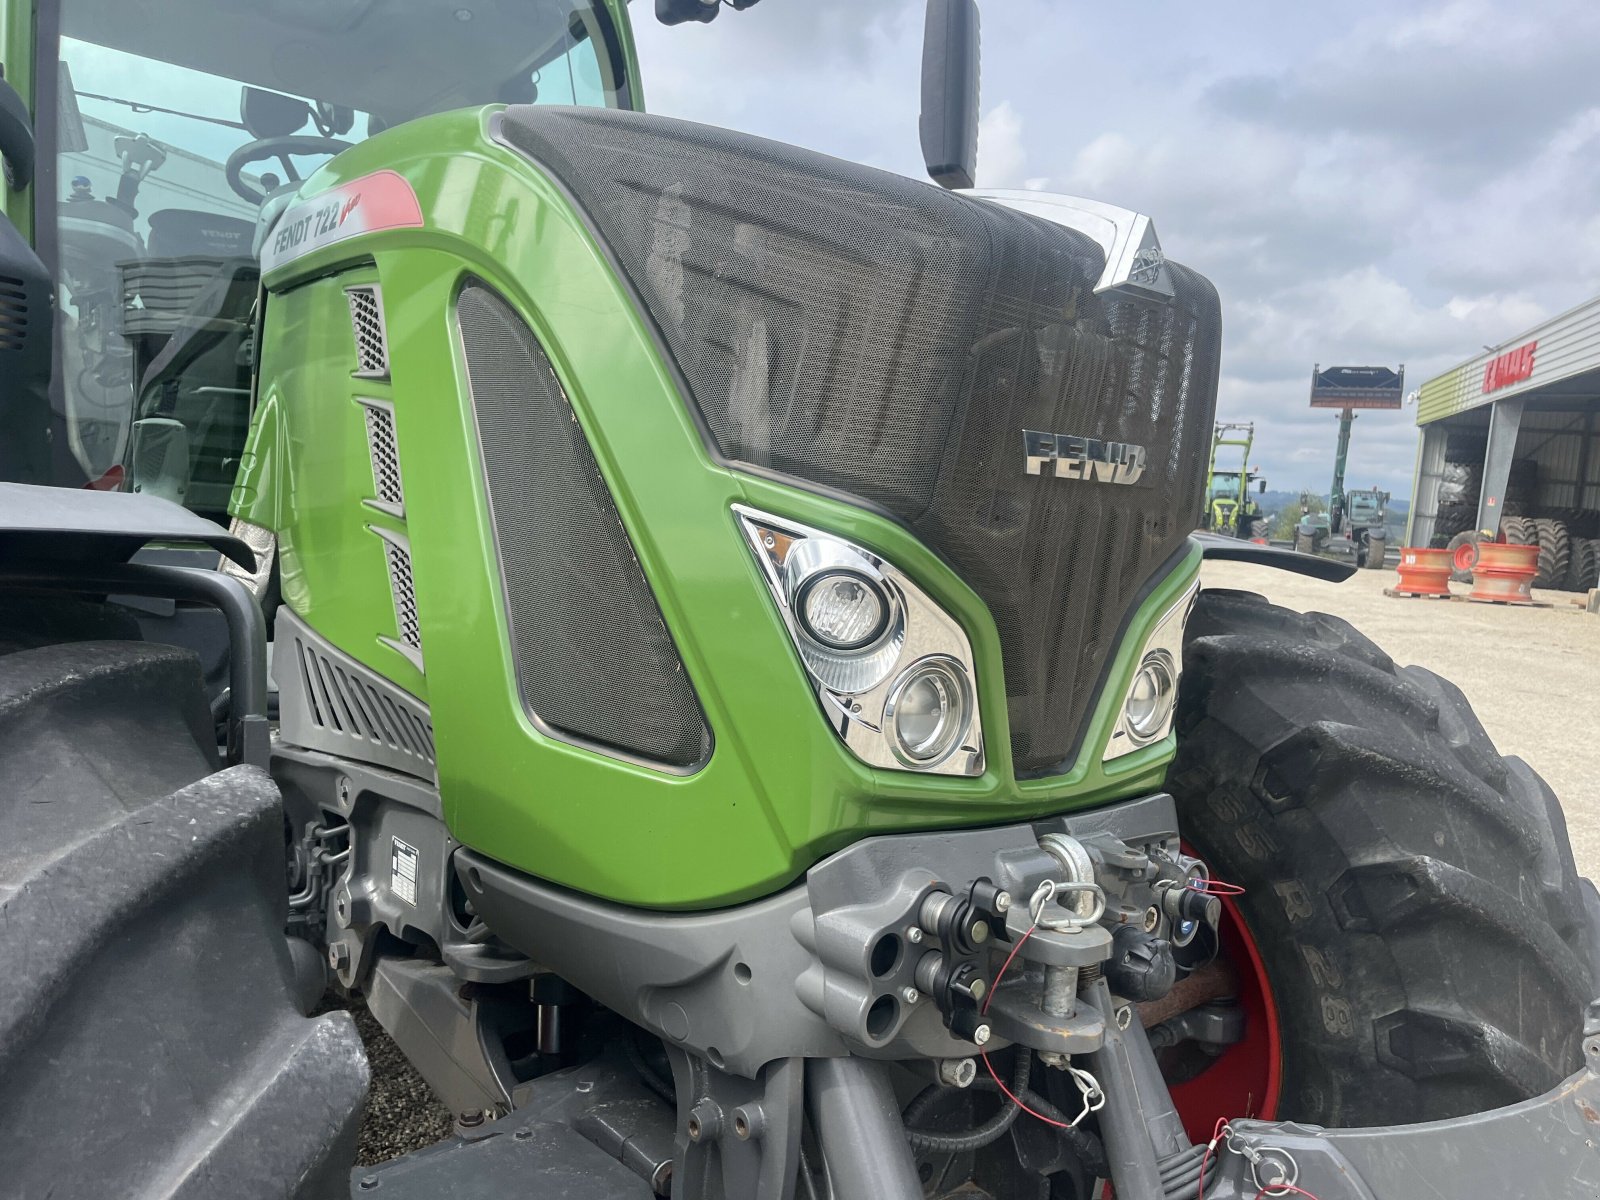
(1152, 694)
(927, 712)
(1150, 699)
(892, 669)
(843, 610)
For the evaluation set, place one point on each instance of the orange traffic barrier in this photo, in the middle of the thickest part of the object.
(1424, 572)
(1504, 573)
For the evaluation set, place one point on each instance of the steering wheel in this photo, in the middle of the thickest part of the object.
(280, 148)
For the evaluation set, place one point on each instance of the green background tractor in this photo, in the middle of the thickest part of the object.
(1229, 506)
(743, 715)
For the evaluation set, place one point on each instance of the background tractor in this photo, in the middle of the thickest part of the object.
(1230, 508)
(707, 645)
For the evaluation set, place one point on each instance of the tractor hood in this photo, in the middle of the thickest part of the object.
(938, 357)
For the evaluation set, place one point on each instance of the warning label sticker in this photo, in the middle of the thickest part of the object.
(403, 872)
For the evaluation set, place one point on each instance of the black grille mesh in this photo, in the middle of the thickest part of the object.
(868, 332)
(593, 657)
(366, 321)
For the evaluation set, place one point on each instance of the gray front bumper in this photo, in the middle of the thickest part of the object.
(1547, 1147)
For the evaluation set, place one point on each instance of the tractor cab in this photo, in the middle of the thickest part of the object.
(171, 136)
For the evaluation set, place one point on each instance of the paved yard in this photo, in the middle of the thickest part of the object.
(1532, 674)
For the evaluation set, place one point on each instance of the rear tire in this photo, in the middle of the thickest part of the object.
(1412, 893)
(145, 983)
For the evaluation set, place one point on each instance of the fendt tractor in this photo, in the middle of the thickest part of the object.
(1230, 509)
(704, 641)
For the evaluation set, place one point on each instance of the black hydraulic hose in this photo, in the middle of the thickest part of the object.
(648, 1074)
(972, 1139)
(1085, 1146)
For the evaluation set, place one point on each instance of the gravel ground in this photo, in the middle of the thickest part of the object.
(1531, 674)
(402, 1113)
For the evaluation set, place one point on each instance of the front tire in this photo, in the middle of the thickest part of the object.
(1423, 929)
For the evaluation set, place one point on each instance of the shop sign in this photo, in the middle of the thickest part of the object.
(1511, 367)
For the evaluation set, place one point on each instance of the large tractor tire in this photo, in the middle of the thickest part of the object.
(1423, 934)
(1586, 565)
(1455, 518)
(1555, 553)
(150, 1039)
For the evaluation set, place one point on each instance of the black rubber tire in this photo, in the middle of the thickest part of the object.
(1411, 892)
(1586, 565)
(1455, 518)
(145, 980)
(1455, 543)
(1555, 553)
(1519, 531)
(1261, 527)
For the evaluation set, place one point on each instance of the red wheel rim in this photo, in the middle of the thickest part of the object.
(1245, 1079)
(1466, 556)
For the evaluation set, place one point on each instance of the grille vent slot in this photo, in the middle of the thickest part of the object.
(332, 703)
(404, 591)
(594, 659)
(372, 342)
(384, 447)
(345, 703)
(13, 313)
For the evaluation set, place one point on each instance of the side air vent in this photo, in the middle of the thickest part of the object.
(328, 701)
(372, 342)
(594, 660)
(398, 550)
(13, 313)
(385, 451)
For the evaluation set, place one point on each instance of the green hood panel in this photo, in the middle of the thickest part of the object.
(778, 790)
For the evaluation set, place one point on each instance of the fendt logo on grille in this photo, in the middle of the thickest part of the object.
(1082, 458)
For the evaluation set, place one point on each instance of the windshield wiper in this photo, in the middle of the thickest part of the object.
(138, 107)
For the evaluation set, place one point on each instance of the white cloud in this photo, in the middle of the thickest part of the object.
(1002, 161)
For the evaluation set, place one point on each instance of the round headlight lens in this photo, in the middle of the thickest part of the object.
(928, 712)
(842, 609)
(1150, 699)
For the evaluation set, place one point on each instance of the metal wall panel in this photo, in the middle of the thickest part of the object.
(1425, 484)
(1564, 445)
(1568, 345)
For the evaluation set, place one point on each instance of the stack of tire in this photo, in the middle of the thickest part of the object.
(1566, 561)
(1461, 486)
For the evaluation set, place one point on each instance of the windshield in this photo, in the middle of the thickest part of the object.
(1225, 484)
(175, 125)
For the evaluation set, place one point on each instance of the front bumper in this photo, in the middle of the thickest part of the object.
(1547, 1147)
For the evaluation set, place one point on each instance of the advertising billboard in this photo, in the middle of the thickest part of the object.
(1357, 387)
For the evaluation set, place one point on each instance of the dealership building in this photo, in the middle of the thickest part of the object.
(1513, 431)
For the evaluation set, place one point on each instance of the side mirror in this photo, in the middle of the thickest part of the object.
(949, 121)
(271, 115)
(16, 138)
(1262, 487)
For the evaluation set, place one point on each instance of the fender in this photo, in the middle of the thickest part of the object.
(1227, 549)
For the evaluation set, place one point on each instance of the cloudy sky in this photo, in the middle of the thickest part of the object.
(1365, 182)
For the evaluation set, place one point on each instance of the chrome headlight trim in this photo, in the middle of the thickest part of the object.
(1162, 651)
(854, 686)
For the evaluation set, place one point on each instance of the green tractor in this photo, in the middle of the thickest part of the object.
(1229, 507)
(704, 640)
